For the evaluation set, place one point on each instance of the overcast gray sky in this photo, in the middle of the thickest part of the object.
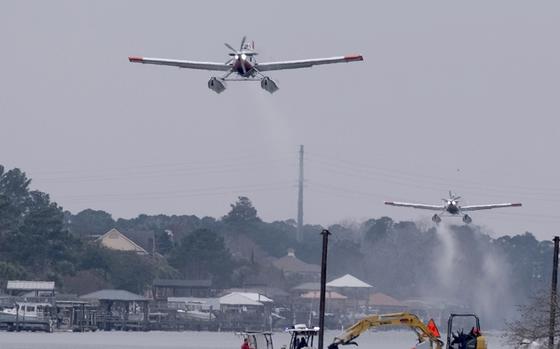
(451, 95)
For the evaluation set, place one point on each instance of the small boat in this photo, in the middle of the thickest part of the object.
(196, 315)
(302, 337)
(28, 316)
(258, 339)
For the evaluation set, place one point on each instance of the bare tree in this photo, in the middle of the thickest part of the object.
(533, 322)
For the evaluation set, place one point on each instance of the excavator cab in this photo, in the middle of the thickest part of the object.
(457, 338)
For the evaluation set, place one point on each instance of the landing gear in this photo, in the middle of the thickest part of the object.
(436, 219)
(216, 85)
(269, 85)
(467, 219)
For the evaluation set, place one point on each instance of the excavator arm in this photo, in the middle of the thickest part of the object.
(395, 319)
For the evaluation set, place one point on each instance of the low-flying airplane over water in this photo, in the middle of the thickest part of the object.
(244, 67)
(451, 207)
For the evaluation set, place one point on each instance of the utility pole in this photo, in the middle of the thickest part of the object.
(322, 297)
(553, 298)
(299, 235)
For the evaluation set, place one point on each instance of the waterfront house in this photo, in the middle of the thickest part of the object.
(115, 240)
(164, 288)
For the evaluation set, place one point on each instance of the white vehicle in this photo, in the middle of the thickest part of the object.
(243, 65)
(451, 207)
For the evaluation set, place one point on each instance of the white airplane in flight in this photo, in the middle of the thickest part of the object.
(244, 65)
(451, 206)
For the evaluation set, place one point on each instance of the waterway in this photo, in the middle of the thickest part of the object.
(192, 340)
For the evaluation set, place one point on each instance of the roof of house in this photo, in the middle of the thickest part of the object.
(182, 283)
(114, 295)
(308, 286)
(244, 298)
(116, 240)
(290, 263)
(30, 285)
(381, 299)
(256, 297)
(328, 295)
(348, 281)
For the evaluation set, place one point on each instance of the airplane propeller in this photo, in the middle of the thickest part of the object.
(235, 54)
(231, 48)
(453, 197)
(241, 50)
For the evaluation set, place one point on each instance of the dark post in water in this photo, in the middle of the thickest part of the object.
(325, 234)
(553, 293)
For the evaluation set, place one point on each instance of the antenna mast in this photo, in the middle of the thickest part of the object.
(300, 197)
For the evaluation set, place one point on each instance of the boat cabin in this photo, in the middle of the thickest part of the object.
(29, 310)
(258, 340)
(302, 336)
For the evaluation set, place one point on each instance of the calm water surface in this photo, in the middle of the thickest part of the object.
(192, 340)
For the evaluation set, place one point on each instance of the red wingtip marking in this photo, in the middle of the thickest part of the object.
(388, 202)
(516, 205)
(135, 59)
(354, 58)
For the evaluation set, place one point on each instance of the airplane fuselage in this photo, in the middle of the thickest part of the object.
(243, 67)
(452, 207)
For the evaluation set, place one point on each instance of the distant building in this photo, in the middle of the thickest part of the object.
(335, 301)
(307, 286)
(290, 264)
(385, 303)
(280, 296)
(242, 310)
(115, 240)
(352, 287)
(348, 281)
(164, 288)
(194, 303)
(36, 288)
(119, 308)
(245, 302)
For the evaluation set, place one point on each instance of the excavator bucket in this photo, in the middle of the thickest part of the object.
(432, 327)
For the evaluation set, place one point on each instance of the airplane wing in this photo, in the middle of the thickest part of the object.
(487, 207)
(421, 206)
(306, 63)
(181, 64)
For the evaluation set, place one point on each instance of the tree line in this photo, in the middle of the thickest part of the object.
(462, 264)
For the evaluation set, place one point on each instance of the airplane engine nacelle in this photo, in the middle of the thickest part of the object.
(467, 219)
(436, 219)
(269, 85)
(216, 85)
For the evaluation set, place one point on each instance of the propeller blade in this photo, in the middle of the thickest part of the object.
(231, 48)
(242, 43)
(230, 60)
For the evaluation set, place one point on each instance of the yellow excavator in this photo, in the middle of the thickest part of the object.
(428, 334)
